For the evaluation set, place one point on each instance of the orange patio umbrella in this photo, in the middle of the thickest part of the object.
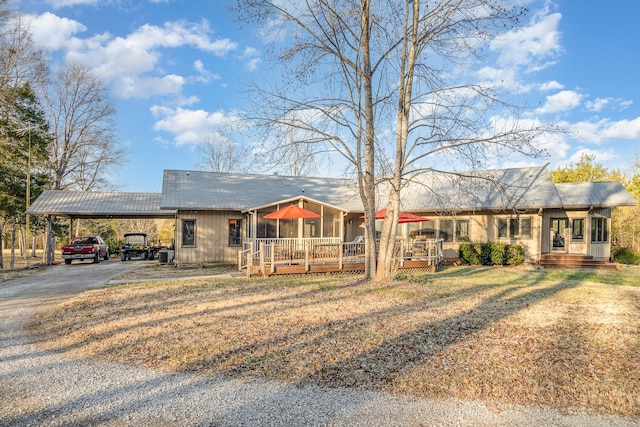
(403, 217)
(291, 212)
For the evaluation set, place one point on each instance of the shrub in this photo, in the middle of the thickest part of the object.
(625, 256)
(516, 255)
(490, 254)
(499, 253)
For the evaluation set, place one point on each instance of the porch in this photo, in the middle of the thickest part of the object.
(272, 256)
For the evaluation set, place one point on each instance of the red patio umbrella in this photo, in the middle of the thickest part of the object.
(291, 212)
(403, 217)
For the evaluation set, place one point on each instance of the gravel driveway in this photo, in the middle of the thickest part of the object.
(38, 388)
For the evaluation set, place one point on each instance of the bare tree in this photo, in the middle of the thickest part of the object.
(224, 156)
(351, 65)
(22, 66)
(81, 114)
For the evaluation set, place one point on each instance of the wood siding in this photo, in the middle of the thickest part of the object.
(211, 237)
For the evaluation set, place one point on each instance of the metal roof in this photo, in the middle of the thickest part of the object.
(89, 204)
(600, 194)
(497, 189)
(230, 191)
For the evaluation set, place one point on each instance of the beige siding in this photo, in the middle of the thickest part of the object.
(211, 238)
(483, 228)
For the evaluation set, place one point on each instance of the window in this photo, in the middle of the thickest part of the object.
(515, 228)
(599, 230)
(502, 228)
(462, 230)
(454, 230)
(525, 228)
(235, 234)
(446, 230)
(188, 232)
(577, 230)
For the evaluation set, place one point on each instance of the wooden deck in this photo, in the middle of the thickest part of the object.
(313, 257)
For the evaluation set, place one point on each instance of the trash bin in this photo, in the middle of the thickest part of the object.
(163, 256)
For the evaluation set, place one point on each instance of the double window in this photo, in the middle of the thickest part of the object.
(454, 230)
(514, 228)
(599, 230)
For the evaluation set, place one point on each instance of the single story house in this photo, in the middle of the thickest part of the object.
(217, 213)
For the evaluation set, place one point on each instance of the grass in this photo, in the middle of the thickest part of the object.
(566, 338)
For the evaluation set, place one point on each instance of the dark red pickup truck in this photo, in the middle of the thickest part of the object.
(89, 247)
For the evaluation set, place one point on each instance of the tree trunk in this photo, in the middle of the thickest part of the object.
(368, 180)
(51, 241)
(12, 262)
(386, 262)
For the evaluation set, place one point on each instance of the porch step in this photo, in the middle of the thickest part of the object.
(575, 261)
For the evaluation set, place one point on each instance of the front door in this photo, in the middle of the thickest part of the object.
(558, 233)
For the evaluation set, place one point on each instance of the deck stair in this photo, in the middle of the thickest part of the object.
(575, 261)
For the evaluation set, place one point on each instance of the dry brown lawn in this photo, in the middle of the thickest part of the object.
(565, 338)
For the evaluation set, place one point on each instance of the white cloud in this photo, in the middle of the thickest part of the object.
(135, 87)
(605, 130)
(552, 85)
(598, 104)
(205, 76)
(540, 40)
(191, 126)
(562, 101)
(600, 155)
(130, 60)
(526, 49)
(51, 31)
(57, 4)
(252, 55)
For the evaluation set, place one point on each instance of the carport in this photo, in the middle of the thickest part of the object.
(94, 205)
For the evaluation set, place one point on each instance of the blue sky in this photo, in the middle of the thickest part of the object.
(177, 68)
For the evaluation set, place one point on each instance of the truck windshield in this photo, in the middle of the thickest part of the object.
(82, 241)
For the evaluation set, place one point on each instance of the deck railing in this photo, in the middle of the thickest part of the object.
(266, 254)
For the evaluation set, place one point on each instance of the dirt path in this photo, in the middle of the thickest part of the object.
(44, 388)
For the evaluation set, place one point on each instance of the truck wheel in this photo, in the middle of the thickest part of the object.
(96, 258)
(67, 261)
(106, 255)
(123, 256)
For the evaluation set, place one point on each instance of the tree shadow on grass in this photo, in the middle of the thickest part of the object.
(377, 367)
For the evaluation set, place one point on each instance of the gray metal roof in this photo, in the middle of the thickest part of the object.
(498, 189)
(600, 194)
(229, 191)
(88, 204)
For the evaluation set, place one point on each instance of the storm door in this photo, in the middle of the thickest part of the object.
(558, 233)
